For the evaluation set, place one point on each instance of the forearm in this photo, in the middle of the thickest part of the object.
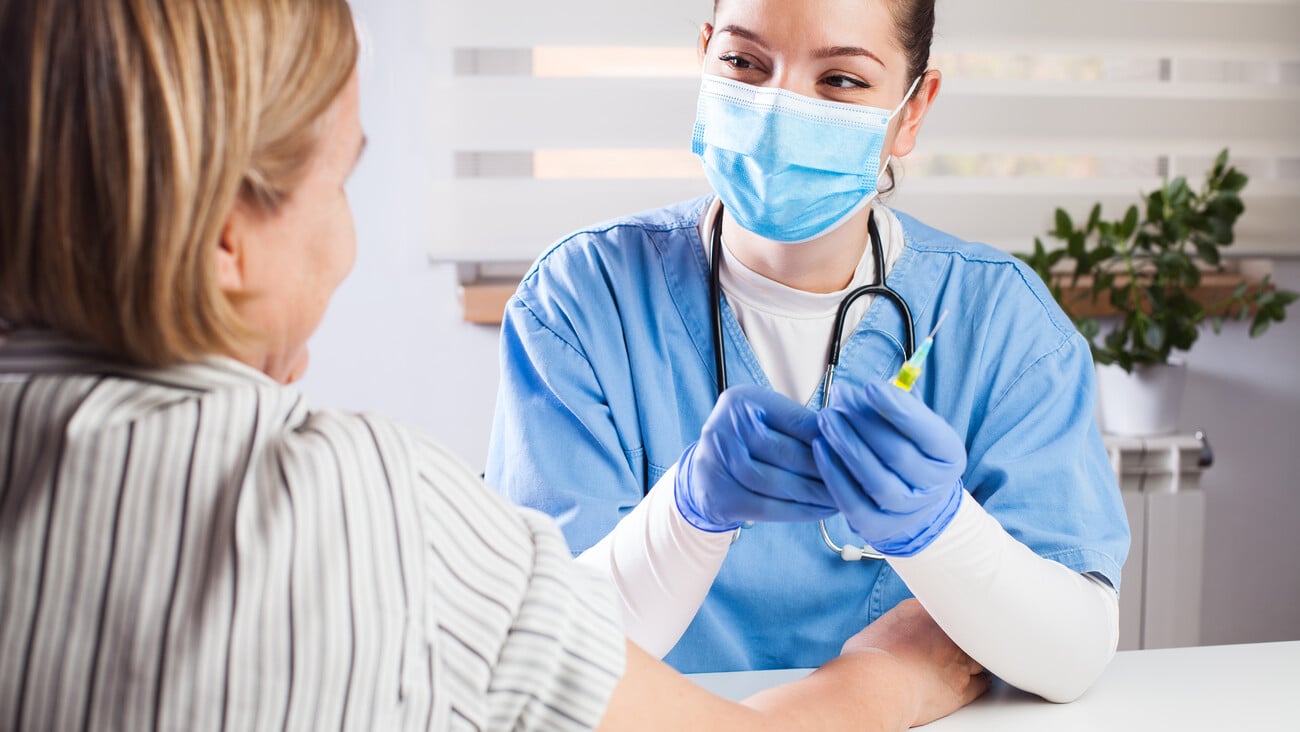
(1035, 623)
(661, 568)
(859, 691)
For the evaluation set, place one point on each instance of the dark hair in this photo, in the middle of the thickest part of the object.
(915, 21)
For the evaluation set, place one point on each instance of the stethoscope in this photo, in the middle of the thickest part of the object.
(848, 552)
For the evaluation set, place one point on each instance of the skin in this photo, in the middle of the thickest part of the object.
(281, 269)
(899, 672)
(836, 50)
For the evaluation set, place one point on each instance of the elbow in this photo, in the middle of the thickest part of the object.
(1079, 668)
(1070, 686)
(1064, 691)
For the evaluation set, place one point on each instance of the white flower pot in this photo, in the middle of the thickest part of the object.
(1145, 402)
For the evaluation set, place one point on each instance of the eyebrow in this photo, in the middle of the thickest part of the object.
(745, 33)
(821, 53)
(837, 51)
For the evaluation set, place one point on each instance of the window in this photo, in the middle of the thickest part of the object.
(1045, 103)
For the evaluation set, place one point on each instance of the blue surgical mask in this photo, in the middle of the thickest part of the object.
(787, 167)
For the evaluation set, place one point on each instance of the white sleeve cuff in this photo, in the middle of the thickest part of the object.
(662, 567)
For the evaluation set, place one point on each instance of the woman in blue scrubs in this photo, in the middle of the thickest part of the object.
(987, 491)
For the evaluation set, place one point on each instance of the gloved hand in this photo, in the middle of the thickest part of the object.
(753, 462)
(892, 465)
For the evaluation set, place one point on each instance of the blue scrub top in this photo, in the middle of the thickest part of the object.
(607, 375)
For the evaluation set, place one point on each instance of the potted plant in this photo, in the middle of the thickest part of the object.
(1147, 265)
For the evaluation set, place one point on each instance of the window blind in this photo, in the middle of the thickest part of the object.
(564, 113)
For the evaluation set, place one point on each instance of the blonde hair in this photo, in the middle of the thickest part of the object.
(129, 130)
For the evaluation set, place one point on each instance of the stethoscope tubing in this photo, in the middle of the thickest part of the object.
(880, 289)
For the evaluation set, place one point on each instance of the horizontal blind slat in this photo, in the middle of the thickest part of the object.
(526, 113)
(1006, 213)
(1158, 27)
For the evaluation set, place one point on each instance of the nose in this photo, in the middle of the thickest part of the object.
(788, 79)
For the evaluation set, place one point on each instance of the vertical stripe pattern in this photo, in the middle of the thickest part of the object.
(195, 549)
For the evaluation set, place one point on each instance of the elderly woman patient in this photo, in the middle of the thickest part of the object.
(184, 543)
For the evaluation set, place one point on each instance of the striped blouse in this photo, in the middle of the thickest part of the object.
(194, 548)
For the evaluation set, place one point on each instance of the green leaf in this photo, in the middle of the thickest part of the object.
(1217, 324)
(1226, 206)
(1220, 163)
(1130, 223)
(1207, 251)
(1259, 326)
(1077, 246)
(1119, 300)
(1094, 218)
(1105, 280)
(1154, 335)
(1101, 254)
(1064, 226)
(1222, 229)
(1286, 297)
(1234, 180)
(1089, 328)
(1178, 193)
(1238, 293)
(1156, 206)
(1182, 338)
(1115, 339)
(1173, 263)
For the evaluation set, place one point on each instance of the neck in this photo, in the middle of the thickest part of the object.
(825, 264)
(281, 364)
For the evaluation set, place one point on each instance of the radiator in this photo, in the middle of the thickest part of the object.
(1160, 597)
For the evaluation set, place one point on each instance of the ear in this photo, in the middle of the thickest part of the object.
(706, 35)
(914, 112)
(231, 253)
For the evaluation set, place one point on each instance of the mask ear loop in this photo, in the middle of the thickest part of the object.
(906, 97)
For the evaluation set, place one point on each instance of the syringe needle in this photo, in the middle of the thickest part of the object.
(942, 317)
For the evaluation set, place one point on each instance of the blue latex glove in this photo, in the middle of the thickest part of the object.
(753, 462)
(892, 465)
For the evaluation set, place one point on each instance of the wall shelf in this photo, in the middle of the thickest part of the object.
(484, 301)
(1215, 289)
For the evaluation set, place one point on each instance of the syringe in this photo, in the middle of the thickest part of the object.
(911, 370)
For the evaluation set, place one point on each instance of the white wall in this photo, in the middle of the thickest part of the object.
(1252, 547)
(393, 343)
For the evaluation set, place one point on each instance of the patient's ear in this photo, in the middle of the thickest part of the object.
(231, 250)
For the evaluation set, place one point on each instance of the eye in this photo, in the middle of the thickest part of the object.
(736, 61)
(840, 81)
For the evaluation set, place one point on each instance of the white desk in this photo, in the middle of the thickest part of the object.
(1246, 687)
